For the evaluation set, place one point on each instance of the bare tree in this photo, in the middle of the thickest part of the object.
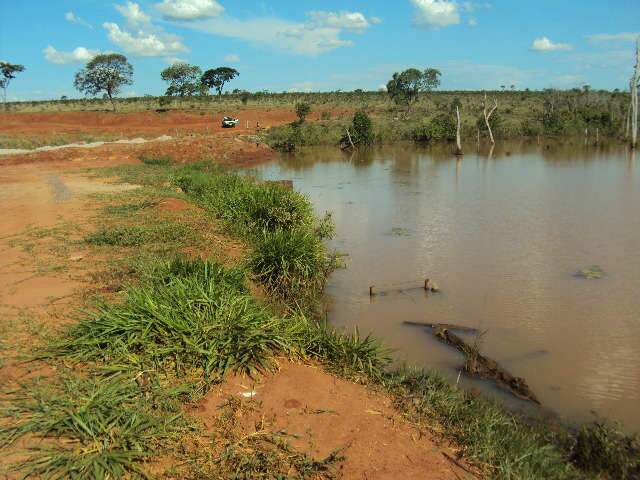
(635, 78)
(487, 116)
(458, 144)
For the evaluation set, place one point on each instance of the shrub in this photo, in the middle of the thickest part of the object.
(440, 127)
(362, 129)
(302, 110)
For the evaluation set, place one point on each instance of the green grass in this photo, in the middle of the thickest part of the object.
(101, 428)
(156, 159)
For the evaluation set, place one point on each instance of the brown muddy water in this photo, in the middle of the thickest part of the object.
(503, 236)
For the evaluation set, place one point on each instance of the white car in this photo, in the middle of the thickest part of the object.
(229, 122)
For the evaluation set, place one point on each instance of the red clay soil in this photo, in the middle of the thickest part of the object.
(129, 125)
(322, 413)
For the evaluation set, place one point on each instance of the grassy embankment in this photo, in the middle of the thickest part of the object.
(179, 325)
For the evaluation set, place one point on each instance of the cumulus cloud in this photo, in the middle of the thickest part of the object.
(189, 10)
(79, 54)
(321, 33)
(340, 20)
(144, 44)
(543, 44)
(73, 18)
(615, 37)
(232, 58)
(134, 14)
(140, 37)
(436, 13)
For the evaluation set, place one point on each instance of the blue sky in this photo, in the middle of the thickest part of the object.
(308, 45)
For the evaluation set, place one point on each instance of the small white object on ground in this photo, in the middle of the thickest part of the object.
(250, 394)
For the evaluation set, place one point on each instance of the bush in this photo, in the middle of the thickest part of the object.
(362, 129)
(440, 127)
(302, 110)
(156, 159)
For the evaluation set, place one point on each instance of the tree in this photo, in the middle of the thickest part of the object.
(105, 73)
(184, 80)
(405, 87)
(487, 116)
(7, 73)
(217, 77)
(302, 110)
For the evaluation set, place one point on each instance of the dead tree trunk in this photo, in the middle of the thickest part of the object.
(487, 116)
(458, 143)
(634, 97)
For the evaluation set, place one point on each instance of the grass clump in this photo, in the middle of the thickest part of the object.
(107, 427)
(291, 262)
(602, 449)
(154, 159)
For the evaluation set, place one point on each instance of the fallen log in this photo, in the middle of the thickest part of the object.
(448, 326)
(485, 367)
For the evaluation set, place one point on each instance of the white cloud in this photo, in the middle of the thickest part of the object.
(436, 13)
(543, 44)
(73, 18)
(140, 37)
(134, 14)
(615, 37)
(320, 34)
(340, 20)
(232, 58)
(79, 54)
(189, 10)
(472, 21)
(144, 44)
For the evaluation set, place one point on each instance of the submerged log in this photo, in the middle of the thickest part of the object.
(485, 367)
(449, 326)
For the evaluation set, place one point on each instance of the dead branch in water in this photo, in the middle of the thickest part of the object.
(449, 326)
(487, 116)
(485, 367)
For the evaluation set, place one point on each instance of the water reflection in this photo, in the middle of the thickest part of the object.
(502, 232)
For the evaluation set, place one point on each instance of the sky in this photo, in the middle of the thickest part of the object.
(309, 45)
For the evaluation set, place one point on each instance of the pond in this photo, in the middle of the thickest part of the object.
(536, 245)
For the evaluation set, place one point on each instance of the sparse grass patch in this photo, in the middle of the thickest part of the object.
(129, 208)
(241, 455)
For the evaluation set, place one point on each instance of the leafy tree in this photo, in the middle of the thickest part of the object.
(217, 77)
(302, 110)
(7, 73)
(405, 87)
(184, 80)
(105, 73)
